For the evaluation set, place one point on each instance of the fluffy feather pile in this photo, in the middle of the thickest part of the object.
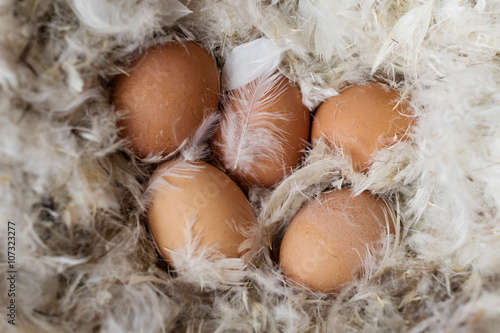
(84, 257)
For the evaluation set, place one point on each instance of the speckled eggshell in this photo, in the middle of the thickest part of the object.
(322, 246)
(170, 90)
(199, 201)
(295, 135)
(361, 120)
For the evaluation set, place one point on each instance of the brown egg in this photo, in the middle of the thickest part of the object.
(264, 129)
(322, 246)
(195, 200)
(362, 119)
(170, 90)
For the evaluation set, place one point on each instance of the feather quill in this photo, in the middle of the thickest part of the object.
(250, 134)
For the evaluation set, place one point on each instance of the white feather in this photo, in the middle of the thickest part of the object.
(406, 37)
(249, 61)
(197, 147)
(324, 20)
(114, 17)
(249, 133)
(178, 168)
(191, 149)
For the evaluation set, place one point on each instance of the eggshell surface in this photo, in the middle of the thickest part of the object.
(361, 120)
(322, 246)
(263, 132)
(195, 204)
(170, 90)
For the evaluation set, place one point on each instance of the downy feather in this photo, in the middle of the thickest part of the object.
(250, 134)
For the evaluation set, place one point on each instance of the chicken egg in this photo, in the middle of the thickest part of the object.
(194, 204)
(264, 130)
(327, 240)
(361, 120)
(168, 92)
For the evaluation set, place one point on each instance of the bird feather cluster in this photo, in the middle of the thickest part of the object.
(85, 260)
